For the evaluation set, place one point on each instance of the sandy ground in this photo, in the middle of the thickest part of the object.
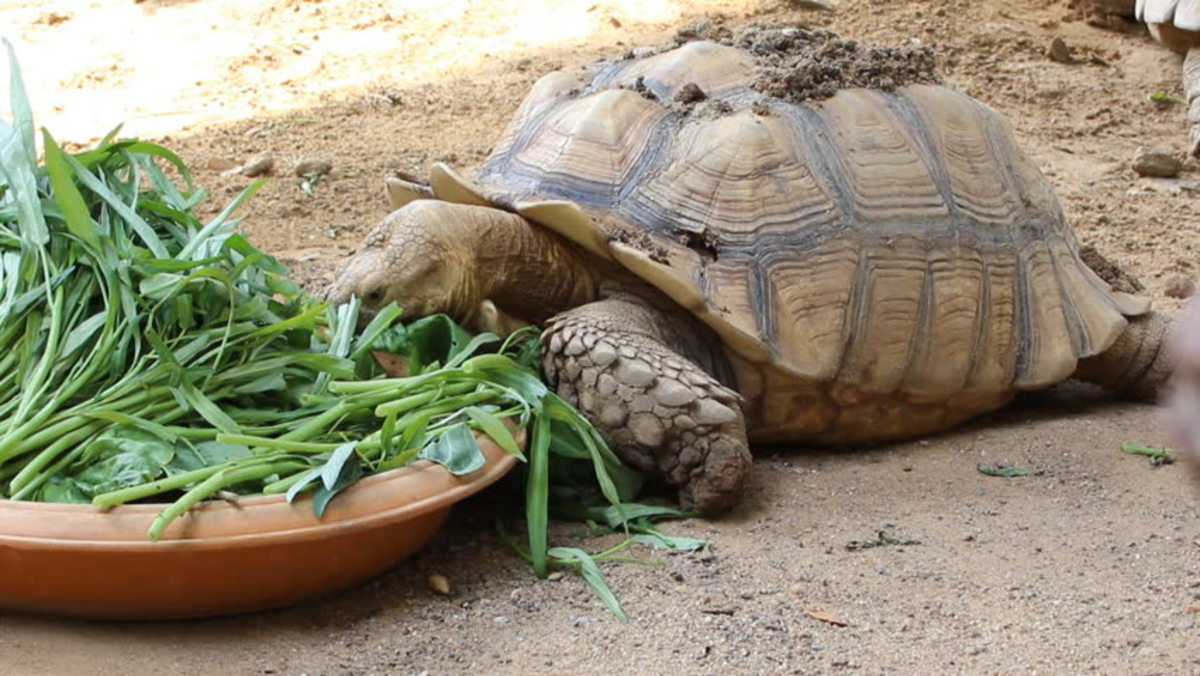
(1091, 567)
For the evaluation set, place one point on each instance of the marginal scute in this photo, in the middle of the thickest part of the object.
(401, 192)
(448, 185)
(568, 220)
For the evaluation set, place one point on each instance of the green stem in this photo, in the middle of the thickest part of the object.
(452, 404)
(276, 444)
(212, 484)
(39, 461)
(171, 483)
(42, 478)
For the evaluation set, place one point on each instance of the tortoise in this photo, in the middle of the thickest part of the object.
(714, 267)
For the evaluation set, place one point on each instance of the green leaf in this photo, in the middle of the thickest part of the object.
(350, 472)
(67, 196)
(332, 469)
(22, 112)
(191, 457)
(270, 382)
(62, 490)
(216, 225)
(83, 332)
(996, 470)
(208, 410)
(461, 355)
(537, 494)
(17, 171)
(661, 541)
(436, 338)
(617, 515)
(303, 483)
(494, 428)
(122, 457)
(456, 450)
(591, 574)
(143, 229)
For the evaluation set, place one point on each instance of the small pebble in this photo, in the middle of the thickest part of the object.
(219, 164)
(1179, 286)
(1058, 51)
(555, 576)
(260, 165)
(690, 93)
(438, 584)
(310, 168)
(1155, 162)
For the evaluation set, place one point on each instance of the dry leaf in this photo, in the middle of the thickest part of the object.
(827, 617)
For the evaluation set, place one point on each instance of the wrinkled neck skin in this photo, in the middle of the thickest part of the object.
(527, 271)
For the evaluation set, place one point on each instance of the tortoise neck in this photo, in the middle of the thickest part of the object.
(528, 271)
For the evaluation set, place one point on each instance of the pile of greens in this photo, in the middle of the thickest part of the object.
(145, 354)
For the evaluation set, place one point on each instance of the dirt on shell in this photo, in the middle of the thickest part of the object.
(1114, 274)
(797, 64)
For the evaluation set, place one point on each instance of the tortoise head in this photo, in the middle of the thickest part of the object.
(412, 258)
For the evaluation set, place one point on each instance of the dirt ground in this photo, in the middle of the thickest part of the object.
(1091, 567)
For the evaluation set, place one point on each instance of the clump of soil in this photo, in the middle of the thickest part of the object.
(1109, 271)
(797, 64)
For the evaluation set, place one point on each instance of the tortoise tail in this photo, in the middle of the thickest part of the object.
(1139, 363)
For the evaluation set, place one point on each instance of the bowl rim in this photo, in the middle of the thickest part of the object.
(497, 463)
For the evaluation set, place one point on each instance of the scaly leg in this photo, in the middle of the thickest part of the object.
(635, 373)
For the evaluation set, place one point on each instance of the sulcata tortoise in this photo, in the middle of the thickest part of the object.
(714, 265)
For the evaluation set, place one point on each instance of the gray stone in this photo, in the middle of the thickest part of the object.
(1155, 162)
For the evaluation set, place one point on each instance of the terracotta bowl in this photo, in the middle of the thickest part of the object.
(222, 557)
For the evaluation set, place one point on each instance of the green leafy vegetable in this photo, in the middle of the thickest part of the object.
(1001, 471)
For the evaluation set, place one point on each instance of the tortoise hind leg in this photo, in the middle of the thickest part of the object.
(629, 369)
(1138, 364)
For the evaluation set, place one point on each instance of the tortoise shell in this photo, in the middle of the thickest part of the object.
(896, 241)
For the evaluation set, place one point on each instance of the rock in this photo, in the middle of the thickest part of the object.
(1059, 51)
(262, 164)
(1155, 162)
(311, 168)
(690, 93)
(438, 584)
(1179, 286)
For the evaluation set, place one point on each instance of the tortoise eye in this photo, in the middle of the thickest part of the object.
(374, 296)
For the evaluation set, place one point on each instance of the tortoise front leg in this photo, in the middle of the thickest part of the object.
(620, 362)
